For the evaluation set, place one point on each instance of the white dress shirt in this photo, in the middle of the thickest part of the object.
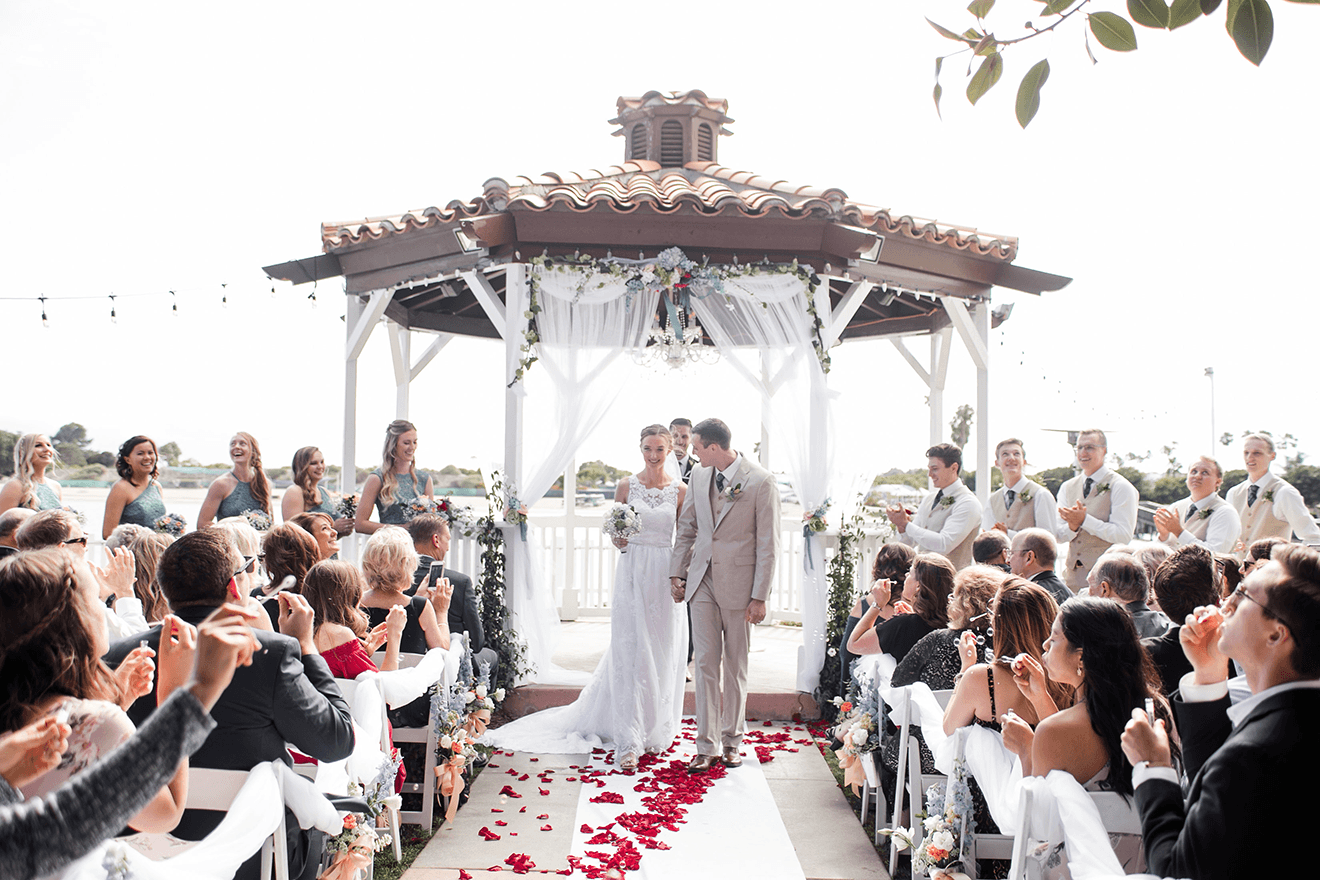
(729, 471)
(1221, 532)
(964, 514)
(1046, 509)
(1122, 522)
(1288, 505)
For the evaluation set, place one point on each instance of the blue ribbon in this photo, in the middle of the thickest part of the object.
(673, 318)
(806, 540)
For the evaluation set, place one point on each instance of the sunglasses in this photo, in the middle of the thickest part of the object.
(248, 563)
(82, 540)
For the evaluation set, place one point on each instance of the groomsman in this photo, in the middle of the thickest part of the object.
(1098, 509)
(1268, 506)
(1203, 517)
(1020, 503)
(680, 462)
(947, 521)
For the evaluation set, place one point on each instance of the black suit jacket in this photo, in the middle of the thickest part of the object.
(464, 616)
(1246, 781)
(1051, 581)
(1169, 658)
(284, 696)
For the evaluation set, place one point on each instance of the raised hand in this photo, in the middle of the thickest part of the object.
(119, 574)
(1018, 738)
(898, 515)
(30, 751)
(135, 674)
(881, 590)
(1166, 523)
(1199, 637)
(297, 620)
(1143, 742)
(395, 621)
(902, 607)
(1030, 678)
(377, 636)
(967, 649)
(441, 596)
(178, 648)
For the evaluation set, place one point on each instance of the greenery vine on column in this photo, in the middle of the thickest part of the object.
(843, 593)
(495, 608)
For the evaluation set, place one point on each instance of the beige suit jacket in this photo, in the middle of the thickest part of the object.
(736, 540)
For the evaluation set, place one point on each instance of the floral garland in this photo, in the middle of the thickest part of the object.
(843, 593)
(858, 729)
(495, 616)
(941, 845)
(671, 272)
(356, 843)
(460, 519)
(460, 714)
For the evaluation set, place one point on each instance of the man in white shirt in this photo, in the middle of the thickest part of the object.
(1097, 509)
(1020, 503)
(948, 520)
(680, 462)
(1203, 517)
(1268, 506)
(1253, 764)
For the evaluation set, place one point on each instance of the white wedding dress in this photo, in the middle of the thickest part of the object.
(635, 697)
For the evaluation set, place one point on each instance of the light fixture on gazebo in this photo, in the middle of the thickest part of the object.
(675, 340)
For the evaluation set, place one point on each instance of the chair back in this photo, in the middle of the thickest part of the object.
(215, 790)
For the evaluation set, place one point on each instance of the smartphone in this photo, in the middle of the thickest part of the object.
(437, 572)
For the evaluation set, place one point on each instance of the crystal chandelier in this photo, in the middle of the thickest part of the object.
(675, 340)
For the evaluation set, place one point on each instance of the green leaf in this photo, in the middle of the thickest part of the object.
(1057, 7)
(981, 8)
(1113, 31)
(1304, 1)
(972, 35)
(945, 32)
(1253, 29)
(1028, 96)
(1184, 12)
(988, 46)
(1209, 6)
(1149, 13)
(991, 69)
(939, 90)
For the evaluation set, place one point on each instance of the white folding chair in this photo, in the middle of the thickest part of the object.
(1117, 816)
(216, 790)
(348, 687)
(979, 845)
(425, 735)
(909, 768)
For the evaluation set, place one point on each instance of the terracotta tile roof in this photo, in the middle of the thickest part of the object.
(704, 186)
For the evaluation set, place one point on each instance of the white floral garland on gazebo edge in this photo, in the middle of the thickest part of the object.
(670, 272)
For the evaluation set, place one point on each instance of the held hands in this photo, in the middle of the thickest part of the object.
(1074, 516)
(755, 611)
(178, 648)
(677, 589)
(1143, 742)
(1200, 642)
(297, 619)
(29, 752)
(1166, 523)
(134, 675)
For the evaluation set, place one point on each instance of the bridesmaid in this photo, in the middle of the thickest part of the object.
(30, 488)
(243, 489)
(136, 497)
(307, 495)
(396, 483)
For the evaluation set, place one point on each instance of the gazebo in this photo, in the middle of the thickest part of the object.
(842, 270)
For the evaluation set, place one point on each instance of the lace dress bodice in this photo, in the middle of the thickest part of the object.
(657, 509)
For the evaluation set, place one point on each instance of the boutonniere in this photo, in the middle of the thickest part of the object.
(1024, 495)
(1205, 514)
(1269, 495)
(733, 492)
(947, 501)
(1103, 487)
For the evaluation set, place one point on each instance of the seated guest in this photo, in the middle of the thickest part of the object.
(926, 589)
(1121, 578)
(288, 551)
(1202, 517)
(1230, 574)
(146, 549)
(59, 529)
(1268, 506)
(1187, 580)
(287, 695)
(892, 561)
(1151, 555)
(321, 526)
(1249, 764)
(430, 536)
(10, 520)
(1032, 556)
(388, 562)
(41, 836)
(123, 535)
(991, 548)
(1258, 552)
(334, 590)
(247, 542)
(1020, 503)
(947, 520)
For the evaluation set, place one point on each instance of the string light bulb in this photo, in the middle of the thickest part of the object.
(45, 322)
(174, 309)
(113, 319)
(224, 297)
(312, 295)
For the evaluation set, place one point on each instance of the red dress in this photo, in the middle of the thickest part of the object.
(350, 660)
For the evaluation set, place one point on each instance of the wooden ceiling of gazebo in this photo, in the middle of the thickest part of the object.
(669, 191)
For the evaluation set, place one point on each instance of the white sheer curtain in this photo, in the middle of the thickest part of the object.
(762, 327)
(588, 323)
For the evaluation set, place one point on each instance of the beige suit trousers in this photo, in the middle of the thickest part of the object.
(721, 637)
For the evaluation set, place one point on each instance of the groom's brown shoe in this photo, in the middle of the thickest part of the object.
(731, 757)
(701, 763)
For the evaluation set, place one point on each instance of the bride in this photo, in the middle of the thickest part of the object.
(635, 696)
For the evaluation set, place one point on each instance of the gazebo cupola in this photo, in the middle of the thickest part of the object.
(672, 129)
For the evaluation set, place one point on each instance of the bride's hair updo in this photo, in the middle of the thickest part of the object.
(658, 431)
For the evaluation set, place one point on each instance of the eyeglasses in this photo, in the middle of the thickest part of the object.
(1089, 448)
(248, 562)
(82, 540)
(1241, 593)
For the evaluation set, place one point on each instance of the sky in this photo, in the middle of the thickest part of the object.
(157, 147)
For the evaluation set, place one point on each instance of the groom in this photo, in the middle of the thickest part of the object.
(728, 542)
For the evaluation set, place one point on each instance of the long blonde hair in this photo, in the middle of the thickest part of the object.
(259, 486)
(24, 471)
(388, 480)
(302, 477)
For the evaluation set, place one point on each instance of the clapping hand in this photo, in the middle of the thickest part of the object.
(30, 751)
(1166, 523)
(119, 574)
(898, 515)
(1200, 642)
(1074, 516)
(1143, 742)
(134, 675)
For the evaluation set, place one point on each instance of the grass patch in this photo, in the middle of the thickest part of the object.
(855, 801)
(414, 840)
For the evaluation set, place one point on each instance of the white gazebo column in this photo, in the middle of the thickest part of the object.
(515, 303)
(568, 609)
(400, 354)
(939, 370)
(974, 329)
(359, 320)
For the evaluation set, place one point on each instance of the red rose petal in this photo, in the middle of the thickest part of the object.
(543, 791)
(523, 778)
(546, 828)
(510, 792)
(488, 834)
(522, 809)
(586, 829)
(464, 875)
(543, 816)
(501, 822)
(496, 810)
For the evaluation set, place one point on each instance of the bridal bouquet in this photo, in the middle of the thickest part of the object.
(347, 507)
(418, 506)
(170, 524)
(259, 520)
(622, 521)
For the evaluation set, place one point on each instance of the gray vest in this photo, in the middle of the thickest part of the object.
(1085, 548)
(960, 555)
(1023, 513)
